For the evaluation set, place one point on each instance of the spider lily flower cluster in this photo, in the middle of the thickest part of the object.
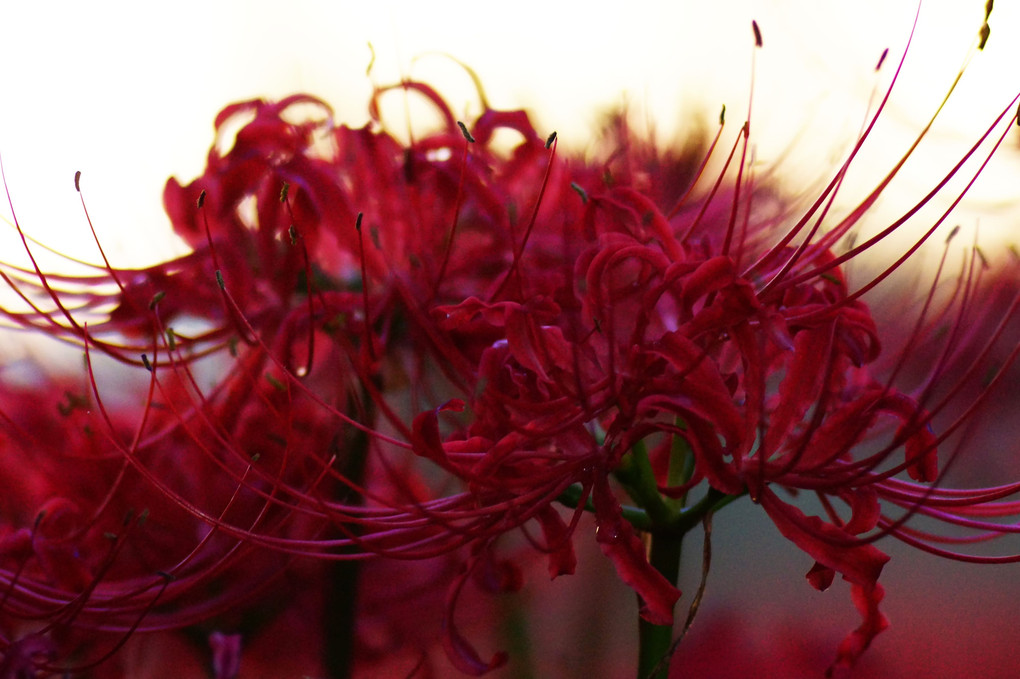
(408, 351)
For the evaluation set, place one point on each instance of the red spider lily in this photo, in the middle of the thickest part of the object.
(420, 348)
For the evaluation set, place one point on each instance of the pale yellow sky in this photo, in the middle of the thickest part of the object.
(126, 92)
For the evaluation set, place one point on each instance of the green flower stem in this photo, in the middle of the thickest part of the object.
(636, 475)
(571, 497)
(516, 634)
(343, 577)
(664, 521)
(655, 641)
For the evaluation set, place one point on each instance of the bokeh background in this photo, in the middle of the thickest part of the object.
(127, 92)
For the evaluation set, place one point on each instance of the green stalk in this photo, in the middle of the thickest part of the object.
(516, 634)
(343, 577)
(664, 521)
(655, 641)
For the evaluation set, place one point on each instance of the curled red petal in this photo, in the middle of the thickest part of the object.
(425, 438)
(458, 649)
(921, 453)
(621, 545)
(866, 598)
(865, 509)
(859, 564)
(562, 560)
(492, 120)
(799, 389)
(493, 574)
(711, 276)
(920, 443)
(821, 577)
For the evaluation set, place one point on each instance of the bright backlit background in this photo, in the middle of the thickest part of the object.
(126, 93)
